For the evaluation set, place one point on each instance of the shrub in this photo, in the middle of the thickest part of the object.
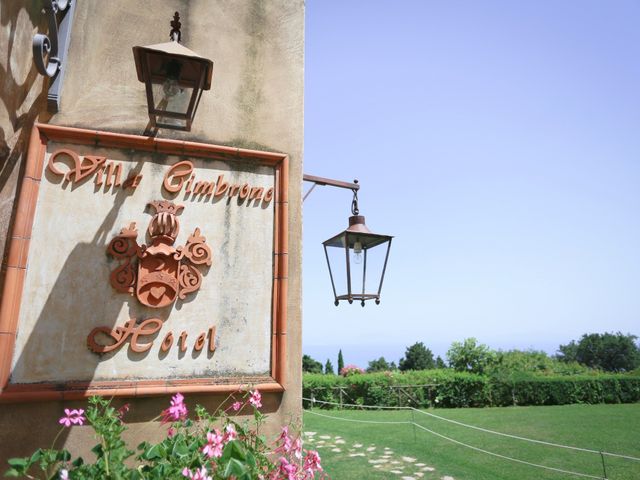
(351, 370)
(507, 364)
(197, 450)
(447, 388)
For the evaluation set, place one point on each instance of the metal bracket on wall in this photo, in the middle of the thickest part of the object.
(354, 187)
(49, 52)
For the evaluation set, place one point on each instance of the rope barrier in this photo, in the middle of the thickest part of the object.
(375, 407)
(504, 457)
(515, 437)
(357, 421)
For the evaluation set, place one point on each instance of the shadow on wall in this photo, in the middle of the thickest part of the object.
(16, 432)
(23, 97)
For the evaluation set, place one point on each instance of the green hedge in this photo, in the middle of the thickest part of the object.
(446, 388)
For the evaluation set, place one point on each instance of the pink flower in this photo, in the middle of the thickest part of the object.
(200, 474)
(236, 406)
(349, 370)
(230, 433)
(297, 448)
(64, 474)
(123, 410)
(284, 441)
(176, 411)
(171, 432)
(72, 417)
(255, 399)
(312, 462)
(288, 469)
(215, 442)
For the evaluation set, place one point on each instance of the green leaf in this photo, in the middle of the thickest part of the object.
(19, 462)
(98, 450)
(236, 468)
(63, 456)
(180, 449)
(37, 455)
(251, 460)
(234, 450)
(136, 475)
(144, 445)
(157, 451)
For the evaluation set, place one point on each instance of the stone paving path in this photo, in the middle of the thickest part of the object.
(380, 458)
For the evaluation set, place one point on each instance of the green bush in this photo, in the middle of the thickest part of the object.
(213, 446)
(447, 388)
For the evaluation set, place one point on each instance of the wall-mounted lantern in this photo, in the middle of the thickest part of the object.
(353, 248)
(174, 78)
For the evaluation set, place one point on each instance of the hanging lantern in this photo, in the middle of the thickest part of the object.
(174, 78)
(357, 243)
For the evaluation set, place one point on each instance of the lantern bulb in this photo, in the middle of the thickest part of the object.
(357, 253)
(170, 87)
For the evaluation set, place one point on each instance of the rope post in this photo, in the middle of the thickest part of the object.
(604, 468)
(413, 424)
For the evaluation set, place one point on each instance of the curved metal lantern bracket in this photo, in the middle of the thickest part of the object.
(49, 50)
(354, 203)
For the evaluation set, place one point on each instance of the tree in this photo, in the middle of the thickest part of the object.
(440, 362)
(340, 361)
(328, 368)
(380, 365)
(417, 357)
(469, 356)
(310, 365)
(607, 351)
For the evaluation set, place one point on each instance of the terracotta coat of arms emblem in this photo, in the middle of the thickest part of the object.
(158, 273)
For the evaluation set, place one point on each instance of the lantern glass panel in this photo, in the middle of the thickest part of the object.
(171, 97)
(171, 102)
(371, 257)
(338, 269)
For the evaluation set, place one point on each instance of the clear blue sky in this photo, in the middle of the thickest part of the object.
(499, 142)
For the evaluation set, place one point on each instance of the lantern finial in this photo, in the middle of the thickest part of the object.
(175, 34)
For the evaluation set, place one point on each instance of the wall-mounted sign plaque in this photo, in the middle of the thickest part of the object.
(144, 266)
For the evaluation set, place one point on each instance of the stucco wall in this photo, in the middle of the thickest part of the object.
(256, 101)
(21, 99)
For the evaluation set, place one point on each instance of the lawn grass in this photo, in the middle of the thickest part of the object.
(612, 428)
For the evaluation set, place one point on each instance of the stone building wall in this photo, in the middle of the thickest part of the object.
(256, 102)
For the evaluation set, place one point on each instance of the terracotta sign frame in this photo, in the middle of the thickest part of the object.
(18, 261)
